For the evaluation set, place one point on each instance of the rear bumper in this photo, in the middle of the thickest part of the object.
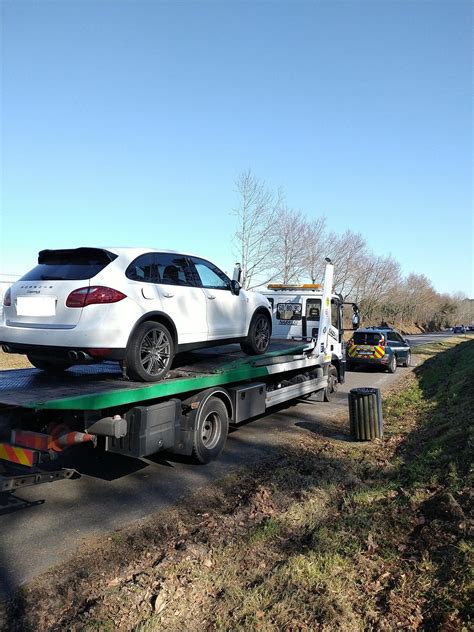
(62, 353)
(384, 360)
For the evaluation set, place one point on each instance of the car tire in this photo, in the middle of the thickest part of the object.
(210, 431)
(392, 367)
(407, 362)
(258, 338)
(53, 366)
(150, 352)
(331, 388)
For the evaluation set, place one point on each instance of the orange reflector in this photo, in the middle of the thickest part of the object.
(28, 439)
(16, 454)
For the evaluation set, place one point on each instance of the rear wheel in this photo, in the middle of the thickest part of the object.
(392, 367)
(258, 337)
(53, 366)
(150, 352)
(210, 430)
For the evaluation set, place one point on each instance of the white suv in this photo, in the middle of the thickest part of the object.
(134, 305)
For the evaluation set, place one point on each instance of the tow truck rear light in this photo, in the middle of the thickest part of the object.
(7, 299)
(93, 295)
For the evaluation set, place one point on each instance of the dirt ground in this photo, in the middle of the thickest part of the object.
(325, 535)
(13, 361)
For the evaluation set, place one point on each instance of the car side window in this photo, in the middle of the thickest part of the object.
(157, 267)
(210, 276)
(174, 270)
(144, 269)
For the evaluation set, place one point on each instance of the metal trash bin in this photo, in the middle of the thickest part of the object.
(365, 414)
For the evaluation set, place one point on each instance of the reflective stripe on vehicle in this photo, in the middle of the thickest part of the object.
(366, 351)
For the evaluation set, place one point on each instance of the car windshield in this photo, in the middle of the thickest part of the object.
(69, 265)
(367, 338)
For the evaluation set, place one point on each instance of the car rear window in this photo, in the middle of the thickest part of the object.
(366, 338)
(69, 265)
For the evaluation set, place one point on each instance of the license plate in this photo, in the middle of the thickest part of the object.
(36, 306)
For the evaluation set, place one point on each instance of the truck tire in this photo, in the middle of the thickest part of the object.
(210, 430)
(331, 388)
(53, 366)
(150, 352)
(258, 337)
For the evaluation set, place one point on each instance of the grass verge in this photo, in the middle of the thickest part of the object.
(327, 535)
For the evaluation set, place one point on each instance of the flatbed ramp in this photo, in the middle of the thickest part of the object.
(101, 386)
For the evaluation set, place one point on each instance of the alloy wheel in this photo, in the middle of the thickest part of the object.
(155, 351)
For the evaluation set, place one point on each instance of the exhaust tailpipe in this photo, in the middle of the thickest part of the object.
(79, 356)
(7, 349)
(82, 355)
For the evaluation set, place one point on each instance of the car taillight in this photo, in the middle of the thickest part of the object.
(93, 295)
(350, 342)
(381, 342)
(7, 299)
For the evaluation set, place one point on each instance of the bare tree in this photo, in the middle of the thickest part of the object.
(347, 252)
(289, 251)
(379, 279)
(315, 248)
(256, 215)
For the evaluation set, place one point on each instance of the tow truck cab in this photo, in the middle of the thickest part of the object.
(296, 312)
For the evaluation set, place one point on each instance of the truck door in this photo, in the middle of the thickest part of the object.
(335, 328)
(313, 314)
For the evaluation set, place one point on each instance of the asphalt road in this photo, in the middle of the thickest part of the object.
(43, 525)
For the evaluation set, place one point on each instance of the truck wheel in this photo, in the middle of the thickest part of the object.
(331, 388)
(210, 430)
(53, 366)
(150, 352)
(408, 360)
(258, 337)
(392, 367)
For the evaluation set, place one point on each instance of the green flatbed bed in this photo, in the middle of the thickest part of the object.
(102, 386)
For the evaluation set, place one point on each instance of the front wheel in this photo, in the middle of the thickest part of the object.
(150, 352)
(53, 366)
(331, 388)
(407, 361)
(258, 337)
(210, 430)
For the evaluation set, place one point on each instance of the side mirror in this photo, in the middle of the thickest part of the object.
(235, 287)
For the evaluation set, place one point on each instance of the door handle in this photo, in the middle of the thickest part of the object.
(168, 295)
(211, 296)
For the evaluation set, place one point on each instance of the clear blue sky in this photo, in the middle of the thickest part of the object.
(127, 123)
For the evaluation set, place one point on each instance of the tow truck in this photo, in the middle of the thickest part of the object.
(187, 413)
